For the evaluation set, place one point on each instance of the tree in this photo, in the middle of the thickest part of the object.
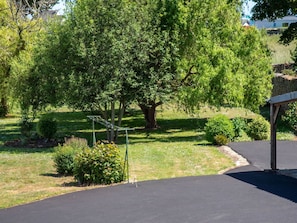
(112, 53)
(110, 56)
(156, 55)
(82, 61)
(224, 64)
(16, 28)
(273, 9)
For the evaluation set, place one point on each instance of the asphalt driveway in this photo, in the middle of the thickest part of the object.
(246, 194)
(258, 153)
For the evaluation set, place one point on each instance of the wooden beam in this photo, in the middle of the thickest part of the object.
(284, 98)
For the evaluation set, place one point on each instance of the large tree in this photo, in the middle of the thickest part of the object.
(108, 53)
(19, 20)
(224, 63)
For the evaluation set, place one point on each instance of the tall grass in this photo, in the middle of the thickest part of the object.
(280, 53)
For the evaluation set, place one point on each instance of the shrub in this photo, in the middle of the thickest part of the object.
(76, 142)
(221, 140)
(290, 116)
(64, 159)
(258, 129)
(239, 126)
(47, 127)
(219, 125)
(99, 165)
(26, 126)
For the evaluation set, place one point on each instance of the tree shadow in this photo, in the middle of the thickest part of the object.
(54, 175)
(282, 186)
(18, 150)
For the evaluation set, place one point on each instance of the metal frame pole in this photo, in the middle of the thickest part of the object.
(94, 134)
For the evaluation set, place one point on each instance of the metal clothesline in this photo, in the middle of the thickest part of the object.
(110, 126)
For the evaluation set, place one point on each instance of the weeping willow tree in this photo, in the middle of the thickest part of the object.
(224, 64)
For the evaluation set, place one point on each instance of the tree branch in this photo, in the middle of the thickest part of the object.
(190, 73)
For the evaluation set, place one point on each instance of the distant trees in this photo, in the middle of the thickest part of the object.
(273, 9)
(112, 53)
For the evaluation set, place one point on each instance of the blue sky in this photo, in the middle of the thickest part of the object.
(60, 6)
(249, 7)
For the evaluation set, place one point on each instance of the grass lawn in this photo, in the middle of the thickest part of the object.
(280, 53)
(176, 149)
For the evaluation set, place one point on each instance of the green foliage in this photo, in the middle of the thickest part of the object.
(258, 129)
(290, 116)
(219, 70)
(64, 155)
(221, 140)
(99, 165)
(273, 9)
(219, 125)
(76, 142)
(47, 127)
(64, 159)
(239, 126)
(26, 126)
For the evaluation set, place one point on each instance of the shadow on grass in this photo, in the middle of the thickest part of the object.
(18, 150)
(77, 124)
(55, 175)
(72, 184)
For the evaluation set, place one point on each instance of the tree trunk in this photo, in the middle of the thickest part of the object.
(149, 113)
(3, 107)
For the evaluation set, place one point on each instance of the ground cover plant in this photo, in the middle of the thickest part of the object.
(178, 148)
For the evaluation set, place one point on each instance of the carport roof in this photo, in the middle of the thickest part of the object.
(284, 98)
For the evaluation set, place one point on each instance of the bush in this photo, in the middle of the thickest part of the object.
(64, 159)
(99, 165)
(47, 127)
(219, 125)
(290, 116)
(258, 129)
(221, 140)
(26, 126)
(239, 126)
(64, 155)
(76, 142)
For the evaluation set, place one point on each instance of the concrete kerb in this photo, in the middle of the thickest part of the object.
(236, 158)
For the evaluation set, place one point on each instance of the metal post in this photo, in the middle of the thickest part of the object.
(126, 155)
(94, 134)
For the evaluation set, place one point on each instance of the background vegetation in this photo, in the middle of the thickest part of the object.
(177, 149)
(280, 53)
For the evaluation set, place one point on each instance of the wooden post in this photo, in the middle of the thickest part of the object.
(273, 117)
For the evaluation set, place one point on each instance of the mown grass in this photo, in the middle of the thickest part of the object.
(177, 149)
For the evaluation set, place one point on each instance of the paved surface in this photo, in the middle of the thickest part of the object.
(258, 153)
(245, 194)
